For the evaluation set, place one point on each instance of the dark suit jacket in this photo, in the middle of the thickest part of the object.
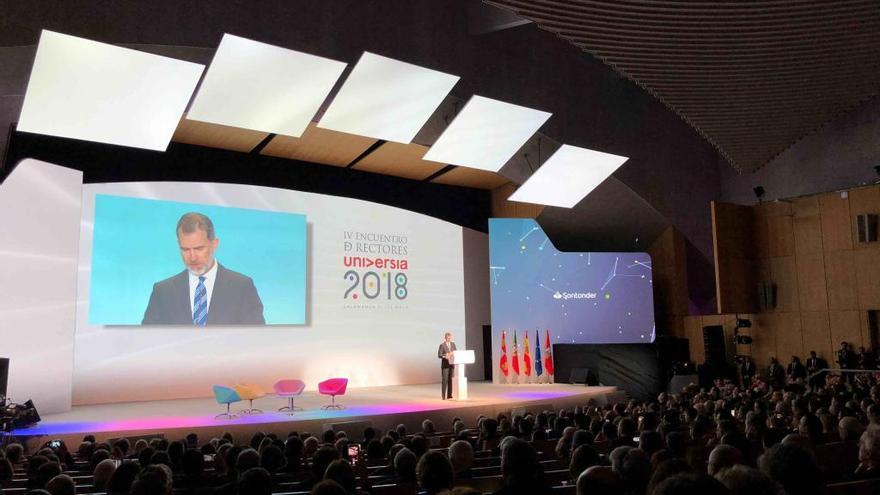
(234, 301)
(444, 363)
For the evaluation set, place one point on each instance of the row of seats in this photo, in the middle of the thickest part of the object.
(289, 388)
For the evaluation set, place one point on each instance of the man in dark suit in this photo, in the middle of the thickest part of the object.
(846, 361)
(796, 370)
(814, 364)
(446, 348)
(775, 374)
(748, 370)
(205, 293)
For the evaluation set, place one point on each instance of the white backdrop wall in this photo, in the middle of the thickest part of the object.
(39, 232)
(373, 344)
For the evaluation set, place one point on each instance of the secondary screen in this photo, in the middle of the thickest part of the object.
(575, 297)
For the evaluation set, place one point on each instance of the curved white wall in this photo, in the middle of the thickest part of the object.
(39, 228)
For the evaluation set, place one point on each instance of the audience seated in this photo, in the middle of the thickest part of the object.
(800, 439)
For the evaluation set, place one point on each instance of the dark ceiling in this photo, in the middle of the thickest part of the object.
(751, 77)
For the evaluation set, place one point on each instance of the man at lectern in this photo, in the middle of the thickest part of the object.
(446, 348)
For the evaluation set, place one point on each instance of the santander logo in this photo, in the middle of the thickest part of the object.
(565, 296)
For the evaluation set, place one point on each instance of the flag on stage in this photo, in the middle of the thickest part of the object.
(503, 363)
(515, 356)
(538, 368)
(548, 354)
(527, 356)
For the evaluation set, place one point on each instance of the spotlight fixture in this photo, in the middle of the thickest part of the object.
(743, 340)
(759, 193)
(743, 323)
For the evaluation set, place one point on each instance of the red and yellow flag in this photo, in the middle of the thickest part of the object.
(548, 355)
(515, 357)
(527, 357)
(503, 363)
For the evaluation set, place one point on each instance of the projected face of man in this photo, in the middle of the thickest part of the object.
(197, 250)
(448, 337)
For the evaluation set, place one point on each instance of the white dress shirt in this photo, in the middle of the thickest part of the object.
(210, 277)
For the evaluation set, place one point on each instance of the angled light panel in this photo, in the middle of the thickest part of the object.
(83, 89)
(567, 177)
(262, 87)
(486, 133)
(387, 99)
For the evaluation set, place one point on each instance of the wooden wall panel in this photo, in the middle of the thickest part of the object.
(784, 275)
(761, 237)
(774, 236)
(811, 282)
(780, 236)
(735, 275)
(693, 330)
(817, 334)
(807, 226)
(836, 227)
(826, 281)
(845, 326)
(866, 332)
(789, 336)
(840, 280)
(864, 200)
(867, 267)
(730, 225)
(764, 338)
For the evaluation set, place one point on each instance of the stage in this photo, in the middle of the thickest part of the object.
(380, 407)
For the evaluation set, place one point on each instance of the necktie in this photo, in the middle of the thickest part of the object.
(200, 304)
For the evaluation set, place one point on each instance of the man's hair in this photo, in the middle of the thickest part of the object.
(405, 465)
(341, 472)
(434, 472)
(15, 452)
(149, 483)
(192, 221)
(255, 481)
(745, 480)
(447, 334)
(328, 487)
(794, 467)
(690, 484)
(461, 455)
(61, 485)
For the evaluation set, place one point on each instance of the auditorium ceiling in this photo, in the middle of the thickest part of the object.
(751, 77)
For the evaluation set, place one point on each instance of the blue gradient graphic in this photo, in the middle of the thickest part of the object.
(579, 297)
(135, 245)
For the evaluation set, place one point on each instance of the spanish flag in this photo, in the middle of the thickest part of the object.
(503, 363)
(515, 357)
(548, 354)
(527, 357)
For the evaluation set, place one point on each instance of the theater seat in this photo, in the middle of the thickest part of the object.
(333, 387)
(228, 396)
(289, 389)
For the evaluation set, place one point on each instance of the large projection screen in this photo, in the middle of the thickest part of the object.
(382, 286)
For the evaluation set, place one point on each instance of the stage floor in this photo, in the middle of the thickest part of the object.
(383, 407)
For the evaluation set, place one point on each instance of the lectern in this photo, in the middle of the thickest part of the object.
(459, 381)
